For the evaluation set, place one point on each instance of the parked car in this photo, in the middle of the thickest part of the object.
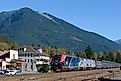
(10, 72)
(18, 70)
(2, 72)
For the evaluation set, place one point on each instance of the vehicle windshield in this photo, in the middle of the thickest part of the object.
(7, 72)
(57, 58)
(67, 60)
(11, 71)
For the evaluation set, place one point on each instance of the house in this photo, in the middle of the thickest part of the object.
(9, 59)
(32, 56)
(28, 54)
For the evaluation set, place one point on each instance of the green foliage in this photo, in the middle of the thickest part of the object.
(94, 56)
(111, 56)
(6, 43)
(101, 56)
(89, 52)
(82, 54)
(118, 58)
(54, 51)
(43, 68)
(114, 56)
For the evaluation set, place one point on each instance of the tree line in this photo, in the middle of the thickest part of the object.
(6, 43)
(114, 56)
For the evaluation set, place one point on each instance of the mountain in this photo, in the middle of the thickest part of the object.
(26, 26)
(118, 41)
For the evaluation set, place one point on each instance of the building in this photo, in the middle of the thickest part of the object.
(9, 59)
(32, 57)
(28, 54)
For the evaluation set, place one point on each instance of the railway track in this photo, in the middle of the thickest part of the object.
(77, 76)
(91, 75)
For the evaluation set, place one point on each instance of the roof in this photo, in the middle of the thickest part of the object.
(43, 54)
(28, 49)
(1, 60)
(16, 61)
(3, 52)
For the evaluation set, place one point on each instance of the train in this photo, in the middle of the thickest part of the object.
(67, 62)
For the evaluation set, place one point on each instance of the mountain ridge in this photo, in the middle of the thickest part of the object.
(26, 26)
(118, 41)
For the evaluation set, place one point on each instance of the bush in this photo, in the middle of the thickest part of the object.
(43, 68)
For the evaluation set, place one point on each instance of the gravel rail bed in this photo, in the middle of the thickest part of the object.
(89, 75)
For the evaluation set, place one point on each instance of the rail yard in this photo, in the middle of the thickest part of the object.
(88, 75)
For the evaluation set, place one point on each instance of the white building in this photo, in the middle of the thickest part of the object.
(6, 58)
(32, 57)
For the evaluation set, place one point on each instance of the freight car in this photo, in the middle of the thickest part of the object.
(67, 62)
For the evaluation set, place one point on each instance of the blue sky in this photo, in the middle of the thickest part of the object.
(100, 16)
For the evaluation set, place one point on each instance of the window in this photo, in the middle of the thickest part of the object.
(75, 62)
(25, 54)
(31, 60)
(32, 67)
(56, 58)
(25, 60)
(4, 67)
(28, 54)
(13, 56)
(28, 60)
(67, 60)
(37, 59)
(31, 54)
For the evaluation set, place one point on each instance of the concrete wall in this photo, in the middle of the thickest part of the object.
(3, 65)
(13, 54)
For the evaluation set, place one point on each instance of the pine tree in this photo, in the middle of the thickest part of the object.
(118, 58)
(82, 54)
(89, 52)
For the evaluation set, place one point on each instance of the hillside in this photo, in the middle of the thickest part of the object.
(26, 26)
(118, 41)
(6, 43)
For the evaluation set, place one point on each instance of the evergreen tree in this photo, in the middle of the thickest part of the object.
(89, 52)
(101, 56)
(111, 56)
(94, 56)
(118, 58)
(82, 54)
